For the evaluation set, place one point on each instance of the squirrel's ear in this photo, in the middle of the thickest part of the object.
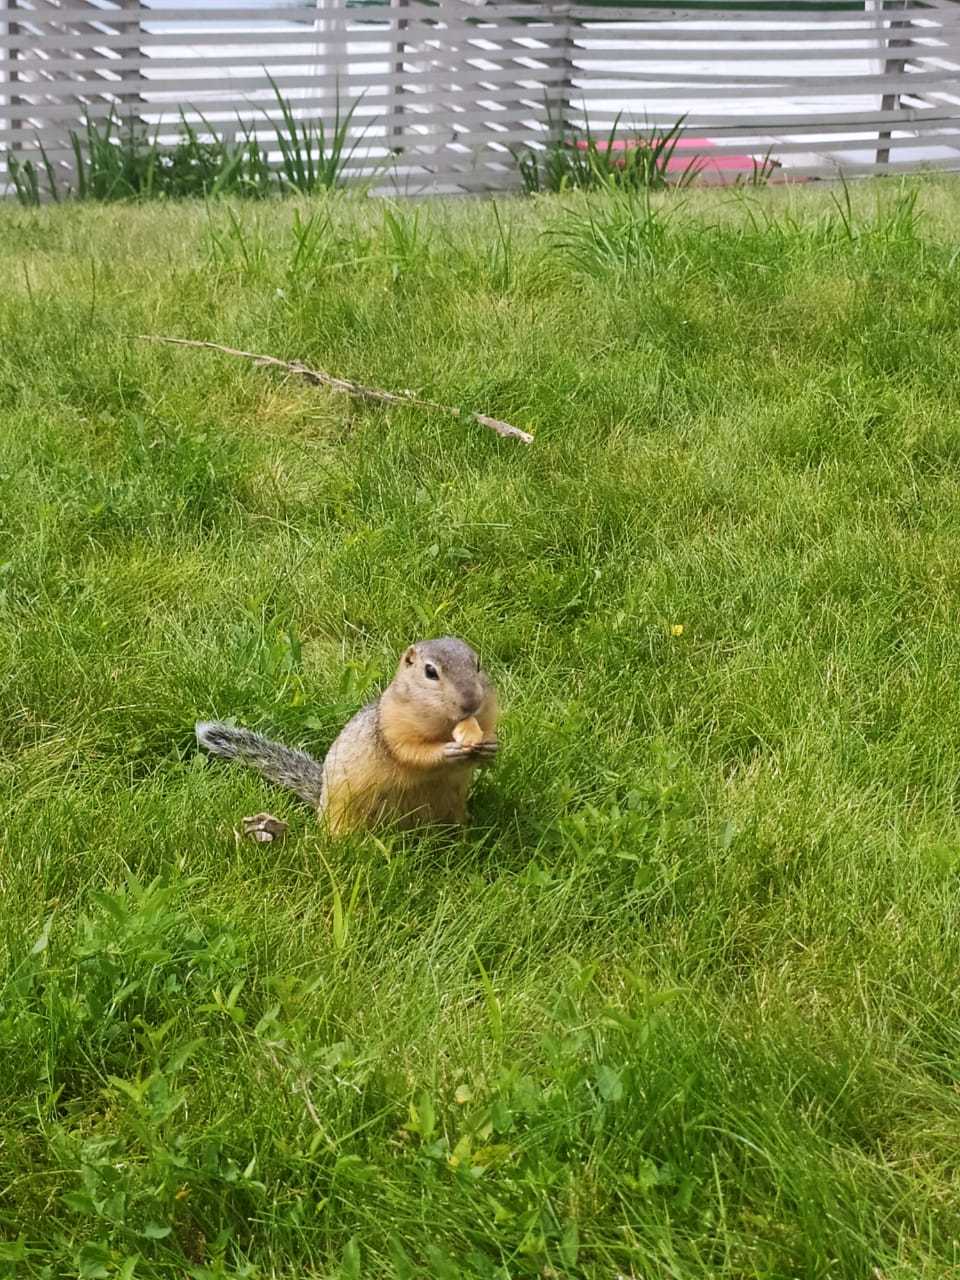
(410, 656)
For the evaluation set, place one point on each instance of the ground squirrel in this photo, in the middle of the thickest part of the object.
(407, 758)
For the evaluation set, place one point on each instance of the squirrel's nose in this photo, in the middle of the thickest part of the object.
(472, 705)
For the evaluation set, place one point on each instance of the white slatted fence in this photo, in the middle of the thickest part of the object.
(447, 90)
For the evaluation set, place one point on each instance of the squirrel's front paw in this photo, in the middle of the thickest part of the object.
(486, 751)
(479, 753)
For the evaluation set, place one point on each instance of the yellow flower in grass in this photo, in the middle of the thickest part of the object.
(677, 629)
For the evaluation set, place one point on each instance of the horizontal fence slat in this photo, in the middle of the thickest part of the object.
(859, 86)
(813, 26)
(278, 20)
(358, 56)
(494, 14)
(632, 53)
(921, 43)
(450, 79)
(199, 61)
(797, 15)
(908, 117)
(752, 136)
(530, 127)
(475, 133)
(440, 81)
(435, 72)
(694, 69)
(724, 38)
(54, 113)
(477, 140)
(24, 39)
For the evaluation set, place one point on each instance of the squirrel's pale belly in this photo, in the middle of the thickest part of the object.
(363, 786)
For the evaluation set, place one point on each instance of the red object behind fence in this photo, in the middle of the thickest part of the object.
(709, 165)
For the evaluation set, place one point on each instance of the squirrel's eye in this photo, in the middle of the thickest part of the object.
(430, 671)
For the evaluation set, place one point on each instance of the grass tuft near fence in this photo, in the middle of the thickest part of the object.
(581, 160)
(683, 1001)
(122, 160)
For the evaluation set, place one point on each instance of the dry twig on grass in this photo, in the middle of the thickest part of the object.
(356, 389)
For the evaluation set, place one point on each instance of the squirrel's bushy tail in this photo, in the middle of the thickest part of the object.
(285, 766)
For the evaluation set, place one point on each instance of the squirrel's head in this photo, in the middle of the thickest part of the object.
(445, 680)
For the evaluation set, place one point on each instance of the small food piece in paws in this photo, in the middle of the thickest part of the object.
(263, 827)
(468, 732)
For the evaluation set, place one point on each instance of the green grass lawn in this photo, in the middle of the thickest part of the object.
(683, 1002)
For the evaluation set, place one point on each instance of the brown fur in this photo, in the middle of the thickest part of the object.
(395, 760)
(391, 761)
